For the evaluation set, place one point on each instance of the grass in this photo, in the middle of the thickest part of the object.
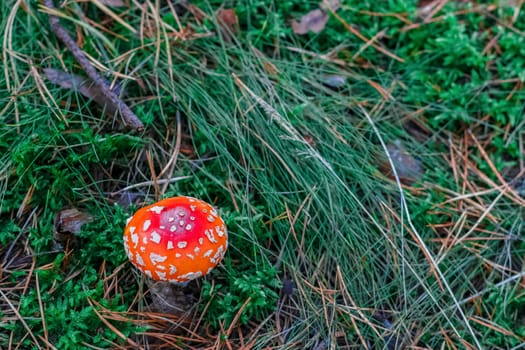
(328, 248)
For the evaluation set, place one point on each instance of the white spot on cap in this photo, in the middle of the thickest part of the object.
(205, 210)
(221, 231)
(156, 209)
(147, 273)
(135, 240)
(161, 267)
(219, 252)
(173, 270)
(139, 260)
(156, 258)
(218, 255)
(145, 240)
(196, 250)
(173, 228)
(191, 275)
(162, 275)
(188, 227)
(170, 245)
(178, 255)
(155, 237)
(129, 219)
(126, 238)
(128, 253)
(182, 214)
(181, 223)
(182, 244)
(143, 249)
(208, 253)
(132, 229)
(162, 227)
(192, 218)
(211, 237)
(213, 212)
(171, 219)
(201, 241)
(193, 207)
(192, 257)
(210, 218)
(146, 225)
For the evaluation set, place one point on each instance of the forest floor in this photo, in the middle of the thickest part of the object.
(367, 157)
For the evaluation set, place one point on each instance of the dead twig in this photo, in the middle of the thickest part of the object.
(129, 117)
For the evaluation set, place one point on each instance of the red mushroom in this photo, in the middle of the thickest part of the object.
(176, 239)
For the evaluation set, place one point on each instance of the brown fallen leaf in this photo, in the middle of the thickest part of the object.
(228, 22)
(71, 220)
(68, 223)
(314, 21)
(228, 18)
(408, 168)
(83, 86)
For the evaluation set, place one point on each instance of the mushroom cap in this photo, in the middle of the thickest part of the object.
(176, 239)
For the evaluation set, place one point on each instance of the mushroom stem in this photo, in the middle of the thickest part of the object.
(168, 297)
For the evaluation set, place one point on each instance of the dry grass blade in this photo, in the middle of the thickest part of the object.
(495, 327)
(21, 319)
(395, 15)
(110, 326)
(346, 294)
(420, 244)
(113, 15)
(354, 31)
(507, 188)
(47, 96)
(7, 48)
(514, 278)
(270, 111)
(274, 152)
(478, 221)
(25, 203)
(417, 237)
(170, 165)
(237, 316)
(387, 96)
(41, 307)
(376, 37)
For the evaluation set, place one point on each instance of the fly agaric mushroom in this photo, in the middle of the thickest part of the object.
(176, 239)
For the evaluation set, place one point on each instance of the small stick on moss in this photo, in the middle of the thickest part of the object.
(129, 117)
